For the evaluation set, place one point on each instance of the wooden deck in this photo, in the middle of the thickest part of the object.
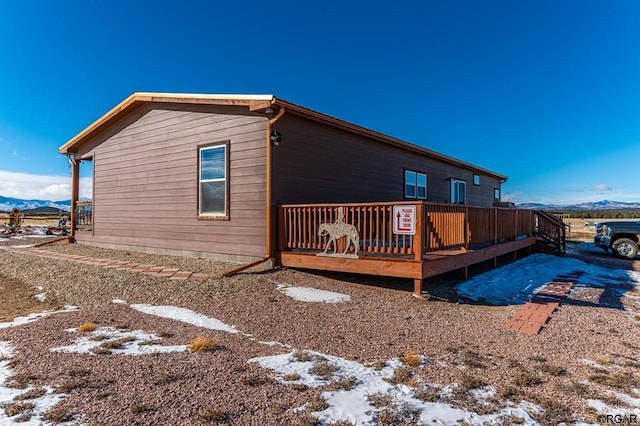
(447, 237)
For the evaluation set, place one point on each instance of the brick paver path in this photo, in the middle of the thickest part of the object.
(171, 273)
(534, 314)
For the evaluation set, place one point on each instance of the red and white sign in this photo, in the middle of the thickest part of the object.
(404, 220)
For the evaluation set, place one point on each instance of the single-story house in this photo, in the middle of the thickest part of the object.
(201, 174)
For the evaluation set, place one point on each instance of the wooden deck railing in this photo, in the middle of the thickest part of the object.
(444, 226)
(299, 226)
(84, 215)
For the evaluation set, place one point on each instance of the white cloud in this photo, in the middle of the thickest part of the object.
(602, 187)
(44, 187)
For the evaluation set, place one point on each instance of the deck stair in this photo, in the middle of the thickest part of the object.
(551, 233)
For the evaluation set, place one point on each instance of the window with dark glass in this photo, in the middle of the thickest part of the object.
(458, 191)
(496, 195)
(415, 185)
(213, 180)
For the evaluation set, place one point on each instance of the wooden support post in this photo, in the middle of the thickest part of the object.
(418, 246)
(75, 188)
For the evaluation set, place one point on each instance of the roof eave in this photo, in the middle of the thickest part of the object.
(115, 112)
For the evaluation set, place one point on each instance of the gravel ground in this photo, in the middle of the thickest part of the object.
(462, 342)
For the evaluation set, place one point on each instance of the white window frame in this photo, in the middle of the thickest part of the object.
(455, 186)
(224, 212)
(416, 184)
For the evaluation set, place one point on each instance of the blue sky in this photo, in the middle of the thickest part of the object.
(545, 92)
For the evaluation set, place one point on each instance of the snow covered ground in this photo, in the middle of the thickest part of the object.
(361, 385)
(515, 283)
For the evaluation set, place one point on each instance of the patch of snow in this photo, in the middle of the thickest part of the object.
(41, 297)
(119, 301)
(354, 406)
(134, 342)
(42, 404)
(34, 317)
(517, 282)
(308, 294)
(185, 315)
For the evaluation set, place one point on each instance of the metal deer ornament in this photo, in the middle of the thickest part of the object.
(336, 230)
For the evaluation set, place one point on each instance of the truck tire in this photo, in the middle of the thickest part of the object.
(625, 247)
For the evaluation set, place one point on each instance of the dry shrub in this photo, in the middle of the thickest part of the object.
(318, 404)
(506, 391)
(468, 382)
(57, 414)
(99, 337)
(537, 358)
(303, 356)
(291, 377)
(31, 394)
(213, 415)
(427, 394)
(164, 334)
(553, 370)
(150, 342)
(19, 380)
(306, 420)
(300, 387)
(202, 344)
(574, 387)
(379, 365)
(14, 408)
(88, 327)
(117, 343)
(411, 359)
(603, 360)
(380, 400)
(620, 380)
(324, 369)
(554, 412)
(398, 415)
(70, 385)
(526, 379)
(473, 359)
(256, 381)
(345, 383)
(401, 375)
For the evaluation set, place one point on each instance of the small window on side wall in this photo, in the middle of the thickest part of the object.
(212, 177)
(496, 195)
(458, 191)
(476, 179)
(415, 185)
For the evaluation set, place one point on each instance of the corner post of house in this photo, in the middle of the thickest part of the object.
(495, 234)
(418, 246)
(515, 232)
(281, 229)
(467, 234)
(75, 189)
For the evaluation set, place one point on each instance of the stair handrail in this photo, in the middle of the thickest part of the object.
(559, 239)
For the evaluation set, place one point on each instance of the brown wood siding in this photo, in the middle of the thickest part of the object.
(321, 164)
(146, 180)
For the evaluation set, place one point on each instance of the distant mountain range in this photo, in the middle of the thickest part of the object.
(8, 203)
(598, 205)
